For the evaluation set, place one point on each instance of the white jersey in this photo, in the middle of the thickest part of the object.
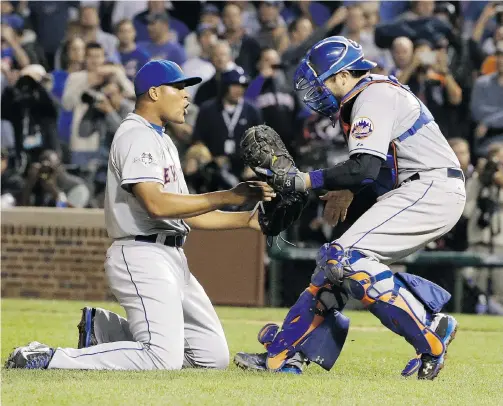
(381, 113)
(140, 153)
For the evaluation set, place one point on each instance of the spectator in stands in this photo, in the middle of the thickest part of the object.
(484, 209)
(273, 31)
(461, 148)
(48, 184)
(419, 9)
(127, 10)
(29, 106)
(11, 185)
(84, 84)
(314, 11)
(106, 110)
(178, 29)
(13, 53)
(273, 95)
(302, 37)
(371, 14)
(430, 79)
(223, 120)
(245, 50)
(210, 16)
(489, 45)
(201, 65)
(49, 20)
(8, 138)
(203, 173)
(161, 45)
(354, 28)
(402, 50)
(132, 57)
(222, 61)
(249, 16)
(486, 104)
(91, 32)
(72, 60)
(73, 30)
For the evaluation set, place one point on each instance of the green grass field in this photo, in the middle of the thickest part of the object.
(368, 371)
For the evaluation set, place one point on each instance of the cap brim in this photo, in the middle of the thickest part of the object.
(365, 64)
(194, 80)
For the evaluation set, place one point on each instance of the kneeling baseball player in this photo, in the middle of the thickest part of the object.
(395, 147)
(170, 320)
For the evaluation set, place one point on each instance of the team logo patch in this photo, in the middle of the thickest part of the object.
(362, 127)
(146, 159)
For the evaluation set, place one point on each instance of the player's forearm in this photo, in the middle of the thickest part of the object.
(174, 205)
(220, 220)
(354, 173)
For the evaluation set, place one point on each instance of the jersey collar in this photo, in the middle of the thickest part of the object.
(157, 128)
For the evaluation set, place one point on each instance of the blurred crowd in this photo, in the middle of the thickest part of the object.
(68, 66)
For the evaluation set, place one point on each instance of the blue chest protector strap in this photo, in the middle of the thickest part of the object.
(425, 116)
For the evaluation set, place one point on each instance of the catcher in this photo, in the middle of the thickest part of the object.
(395, 147)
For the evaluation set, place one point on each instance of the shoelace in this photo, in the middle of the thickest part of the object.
(39, 361)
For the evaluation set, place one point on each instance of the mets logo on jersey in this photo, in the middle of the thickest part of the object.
(361, 128)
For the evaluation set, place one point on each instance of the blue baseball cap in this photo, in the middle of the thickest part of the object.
(14, 21)
(161, 72)
(210, 9)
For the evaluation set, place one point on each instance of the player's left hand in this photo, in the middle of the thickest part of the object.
(337, 205)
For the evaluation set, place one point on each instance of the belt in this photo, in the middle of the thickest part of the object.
(171, 240)
(451, 173)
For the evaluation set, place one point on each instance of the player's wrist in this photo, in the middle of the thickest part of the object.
(316, 179)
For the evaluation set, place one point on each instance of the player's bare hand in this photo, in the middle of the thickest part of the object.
(253, 221)
(337, 206)
(251, 192)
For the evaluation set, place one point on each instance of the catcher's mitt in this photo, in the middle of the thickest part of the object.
(281, 212)
(263, 150)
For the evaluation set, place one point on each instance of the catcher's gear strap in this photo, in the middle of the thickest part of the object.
(359, 170)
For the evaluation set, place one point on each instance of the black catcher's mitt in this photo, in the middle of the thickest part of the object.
(263, 151)
(281, 212)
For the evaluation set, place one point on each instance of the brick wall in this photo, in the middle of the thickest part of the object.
(59, 254)
(53, 261)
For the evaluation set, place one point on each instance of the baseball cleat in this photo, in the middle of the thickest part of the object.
(257, 362)
(86, 328)
(446, 330)
(33, 356)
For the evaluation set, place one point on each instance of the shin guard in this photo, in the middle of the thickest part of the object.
(313, 326)
(391, 301)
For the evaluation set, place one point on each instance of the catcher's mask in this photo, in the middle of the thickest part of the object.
(327, 58)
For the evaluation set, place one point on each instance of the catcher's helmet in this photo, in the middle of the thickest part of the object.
(325, 59)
